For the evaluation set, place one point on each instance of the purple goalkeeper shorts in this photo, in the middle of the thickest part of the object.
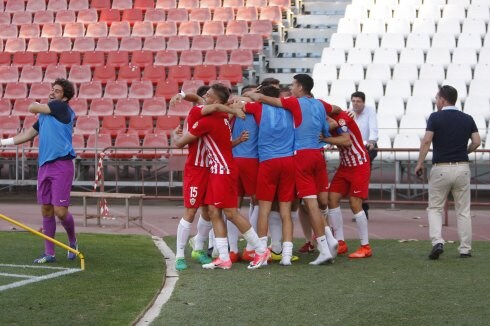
(54, 182)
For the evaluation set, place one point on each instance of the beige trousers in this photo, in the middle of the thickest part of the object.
(455, 179)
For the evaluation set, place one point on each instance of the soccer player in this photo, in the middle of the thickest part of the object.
(310, 168)
(221, 192)
(55, 174)
(351, 178)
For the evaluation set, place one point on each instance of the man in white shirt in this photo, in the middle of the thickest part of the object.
(365, 117)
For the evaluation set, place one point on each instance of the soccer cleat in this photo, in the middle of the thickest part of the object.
(234, 256)
(323, 258)
(333, 247)
(278, 257)
(201, 256)
(363, 252)
(307, 248)
(218, 263)
(70, 255)
(248, 255)
(260, 260)
(180, 264)
(44, 259)
(342, 247)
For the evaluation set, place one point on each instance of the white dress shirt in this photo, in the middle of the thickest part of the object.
(368, 124)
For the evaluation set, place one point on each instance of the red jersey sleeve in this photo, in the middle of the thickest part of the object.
(291, 104)
(255, 109)
(201, 127)
(327, 106)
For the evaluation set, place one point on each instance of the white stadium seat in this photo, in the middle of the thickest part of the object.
(449, 26)
(465, 56)
(470, 41)
(387, 125)
(320, 88)
(333, 56)
(420, 105)
(432, 71)
(439, 55)
(415, 56)
(429, 11)
(459, 71)
(484, 55)
(373, 26)
(380, 11)
(399, 88)
(424, 25)
(482, 71)
(355, 12)
(359, 56)
(341, 41)
(393, 41)
(398, 25)
(354, 72)
(379, 71)
(477, 105)
(372, 88)
(384, 142)
(413, 124)
(349, 26)
(418, 41)
(391, 105)
(386, 56)
(474, 26)
(326, 72)
(443, 40)
(454, 11)
(425, 88)
(406, 71)
(342, 88)
(476, 11)
(407, 11)
(367, 41)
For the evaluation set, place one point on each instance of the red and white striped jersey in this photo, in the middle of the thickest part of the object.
(356, 154)
(215, 132)
(197, 150)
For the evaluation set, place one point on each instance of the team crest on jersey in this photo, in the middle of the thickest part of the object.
(193, 201)
(344, 128)
(341, 122)
(194, 126)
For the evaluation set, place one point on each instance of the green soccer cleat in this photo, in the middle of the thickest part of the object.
(201, 257)
(180, 264)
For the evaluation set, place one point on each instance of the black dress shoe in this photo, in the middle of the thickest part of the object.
(468, 255)
(436, 251)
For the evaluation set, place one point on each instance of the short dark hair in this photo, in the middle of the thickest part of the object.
(247, 88)
(305, 81)
(449, 93)
(221, 91)
(360, 95)
(202, 90)
(68, 88)
(270, 90)
(285, 90)
(270, 81)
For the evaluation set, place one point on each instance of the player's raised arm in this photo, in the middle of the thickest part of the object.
(210, 108)
(179, 139)
(257, 97)
(20, 138)
(189, 97)
(36, 107)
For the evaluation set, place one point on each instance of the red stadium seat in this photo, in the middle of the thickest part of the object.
(155, 43)
(189, 28)
(29, 31)
(227, 42)
(14, 5)
(86, 125)
(116, 90)
(178, 43)
(155, 106)
(107, 44)
(84, 44)
(104, 74)
(113, 125)
(38, 45)
(51, 30)
(129, 74)
(78, 5)
(93, 59)
(205, 73)
(144, 4)
(154, 140)
(188, 4)
(224, 14)
(40, 90)
(8, 31)
(142, 58)
(200, 15)
(142, 124)
(44, 59)
(74, 30)
(237, 27)
(180, 109)
(65, 16)
(191, 86)
(6, 106)
(95, 144)
(166, 29)
(231, 72)
(78, 143)
(211, 4)
(10, 125)
(87, 16)
(43, 17)
(177, 15)
(97, 30)
(122, 4)
(271, 13)
(127, 107)
(15, 45)
(244, 58)
(90, 90)
(60, 44)
(53, 72)
(31, 74)
(120, 29)
(100, 4)
(253, 42)
(141, 90)
(5, 18)
(132, 15)
(235, 4)
(256, 3)
(80, 74)
(79, 106)
(247, 13)
(154, 15)
(167, 122)
(131, 44)
(142, 29)
(190, 58)
(166, 4)
(33, 151)
(166, 58)
(101, 107)
(154, 73)
(202, 43)
(21, 107)
(35, 5)
(9, 74)
(118, 59)
(213, 28)
(179, 73)
(22, 59)
(216, 57)
(71, 58)
(167, 89)
(57, 5)
(125, 140)
(5, 59)
(261, 27)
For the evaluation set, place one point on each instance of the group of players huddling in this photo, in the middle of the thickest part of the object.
(271, 149)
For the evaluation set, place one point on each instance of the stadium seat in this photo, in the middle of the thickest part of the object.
(482, 71)
(166, 58)
(86, 125)
(21, 17)
(179, 73)
(142, 58)
(141, 124)
(191, 86)
(229, 42)
(454, 11)
(378, 71)
(80, 74)
(90, 90)
(470, 41)
(14, 5)
(420, 105)
(342, 88)
(95, 144)
(354, 72)
(325, 72)
(97, 30)
(131, 44)
(31, 74)
(252, 42)
(39, 90)
(100, 4)
(237, 27)
(93, 59)
(424, 26)
(407, 71)
(154, 73)
(127, 107)
(155, 15)
(107, 44)
(142, 29)
(5, 59)
(478, 11)
(211, 4)
(206, 73)
(21, 107)
(101, 107)
(73, 30)
(342, 41)
(10, 125)
(439, 56)
(241, 57)
(189, 28)
(122, 4)
(399, 88)
(367, 41)
(392, 41)
(202, 43)
(79, 106)
(224, 14)
(333, 56)
(359, 57)
(154, 140)
(57, 5)
(87, 16)
(449, 26)
(104, 74)
(125, 140)
(155, 43)
(406, 141)
(118, 59)
(60, 44)
(155, 106)
(391, 105)
(474, 26)
(166, 89)
(387, 56)
(20, 59)
(190, 58)
(5, 18)
(413, 56)
(35, 5)
(78, 143)
(51, 30)
(271, 13)
(120, 29)
(70, 58)
(177, 15)
(388, 126)
(216, 57)
(141, 89)
(8, 31)
(78, 5)
(113, 125)
(443, 40)
(65, 16)
(178, 43)
(9, 74)
(372, 88)
(144, 4)
(166, 4)
(132, 15)
(418, 41)
(477, 106)
(465, 56)
(320, 90)
(200, 15)
(432, 71)
(167, 123)
(247, 13)
(459, 71)
(261, 27)
(235, 4)
(213, 28)
(188, 4)
(129, 74)
(179, 109)
(413, 124)
(84, 44)
(29, 31)
(380, 11)
(116, 90)
(349, 26)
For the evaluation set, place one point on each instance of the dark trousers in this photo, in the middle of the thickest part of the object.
(372, 155)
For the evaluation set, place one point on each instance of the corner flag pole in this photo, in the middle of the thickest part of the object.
(39, 234)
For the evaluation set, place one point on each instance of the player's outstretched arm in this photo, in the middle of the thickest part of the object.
(20, 138)
(208, 109)
(189, 97)
(257, 97)
(341, 140)
(36, 107)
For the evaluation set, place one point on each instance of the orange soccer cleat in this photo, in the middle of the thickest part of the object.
(342, 248)
(234, 257)
(362, 252)
(248, 255)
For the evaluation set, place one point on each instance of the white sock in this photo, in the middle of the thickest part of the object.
(261, 245)
(362, 227)
(329, 235)
(212, 241)
(253, 217)
(233, 234)
(222, 245)
(287, 249)
(183, 231)
(275, 229)
(203, 228)
(323, 245)
(324, 212)
(336, 222)
(252, 239)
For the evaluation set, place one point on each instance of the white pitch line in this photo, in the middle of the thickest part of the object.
(66, 271)
(171, 279)
(34, 266)
(17, 275)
